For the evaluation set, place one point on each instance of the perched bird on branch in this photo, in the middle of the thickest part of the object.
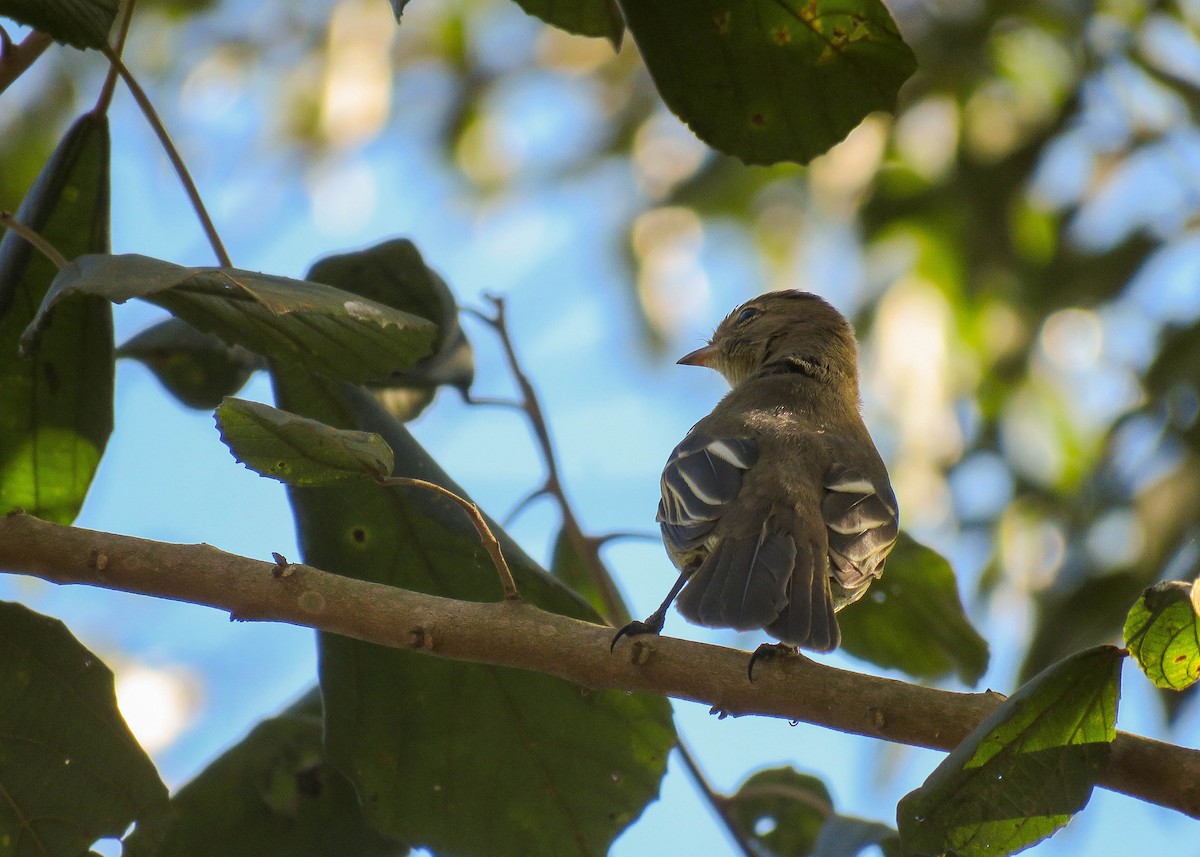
(776, 507)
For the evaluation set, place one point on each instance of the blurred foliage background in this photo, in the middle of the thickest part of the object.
(1018, 246)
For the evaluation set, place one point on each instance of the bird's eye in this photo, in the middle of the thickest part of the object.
(747, 314)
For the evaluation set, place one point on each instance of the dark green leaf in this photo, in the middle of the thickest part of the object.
(296, 450)
(771, 80)
(1023, 772)
(394, 274)
(783, 810)
(70, 771)
(847, 836)
(271, 793)
(57, 409)
(198, 368)
(912, 619)
(79, 23)
(323, 329)
(464, 759)
(1163, 634)
(600, 18)
(568, 566)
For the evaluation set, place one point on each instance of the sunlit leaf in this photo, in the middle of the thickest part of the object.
(196, 367)
(271, 793)
(771, 80)
(426, 741)
(80, 23)
(299, 451)
(1023, 772)
(912, 619)
(1163, 634)
(323, 329)
(57, 411)
(70, 771)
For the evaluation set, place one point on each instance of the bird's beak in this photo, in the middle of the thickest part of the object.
(705, 356)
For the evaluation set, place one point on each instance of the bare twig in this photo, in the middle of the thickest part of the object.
(16, 59)
(110, 81)
(490, 542)
(717, 801)
(8, 221)
(185, 178)
(523, 636)
(615, 610)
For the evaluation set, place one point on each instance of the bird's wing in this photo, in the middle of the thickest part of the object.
(863, 522)
(702, 476)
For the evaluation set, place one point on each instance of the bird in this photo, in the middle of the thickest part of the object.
(776, 508)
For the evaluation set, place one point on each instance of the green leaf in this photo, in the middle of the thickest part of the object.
(57, 409)
(70, 771)
(789, 814)
(79, 23)
(426, 741)
(296, 450)
(568, 566)
(912, 619)
(1023, 772)
(599, 18)
(197, 368)
(338, 334)
(271, 793)
(771, 80)
(394, 274)
(1163, 634)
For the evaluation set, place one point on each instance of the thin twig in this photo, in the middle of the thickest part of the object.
(719, 802)
(16, 59)
(615, 611)
(110, 81)
(185, 178)
(490, 542)
(8, 221)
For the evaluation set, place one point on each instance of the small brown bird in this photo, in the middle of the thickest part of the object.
(776, 507)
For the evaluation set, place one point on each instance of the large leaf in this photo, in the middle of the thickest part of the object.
(394, 273)
(271, 793)
(299, 451)
(338, 334)
(81, 23)
(70, 771)
(912, 619)
(57, 408)
(1023, 772)
(789, 814)
(462, 758)
(771, 80)
(1163, 634)
(582, 17)
(197, 367)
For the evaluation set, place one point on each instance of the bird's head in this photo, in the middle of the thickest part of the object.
(785, 331)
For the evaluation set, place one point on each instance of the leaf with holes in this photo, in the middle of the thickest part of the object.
(1023, 772)
(1163, 634)
(323, 329)
(271, 793)
(426, 740)
(299, 451)
(70, 771)
(57, 411)
(771, 80)
(912, 619)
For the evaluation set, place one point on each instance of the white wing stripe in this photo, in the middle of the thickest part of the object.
(724, 451)
(853, 486)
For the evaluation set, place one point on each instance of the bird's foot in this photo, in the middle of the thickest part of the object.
(652, 625)
(769, 651)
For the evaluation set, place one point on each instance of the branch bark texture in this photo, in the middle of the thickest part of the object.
(516, 634)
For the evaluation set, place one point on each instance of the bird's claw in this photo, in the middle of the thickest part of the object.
(767, 651)
(634, 629)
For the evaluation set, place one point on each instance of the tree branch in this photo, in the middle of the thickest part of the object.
(517, 634)
(16, 59)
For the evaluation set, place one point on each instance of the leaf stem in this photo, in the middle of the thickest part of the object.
(490, 543)
(110, 81)
(185, 178)
(719, 802)
(8, 221)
